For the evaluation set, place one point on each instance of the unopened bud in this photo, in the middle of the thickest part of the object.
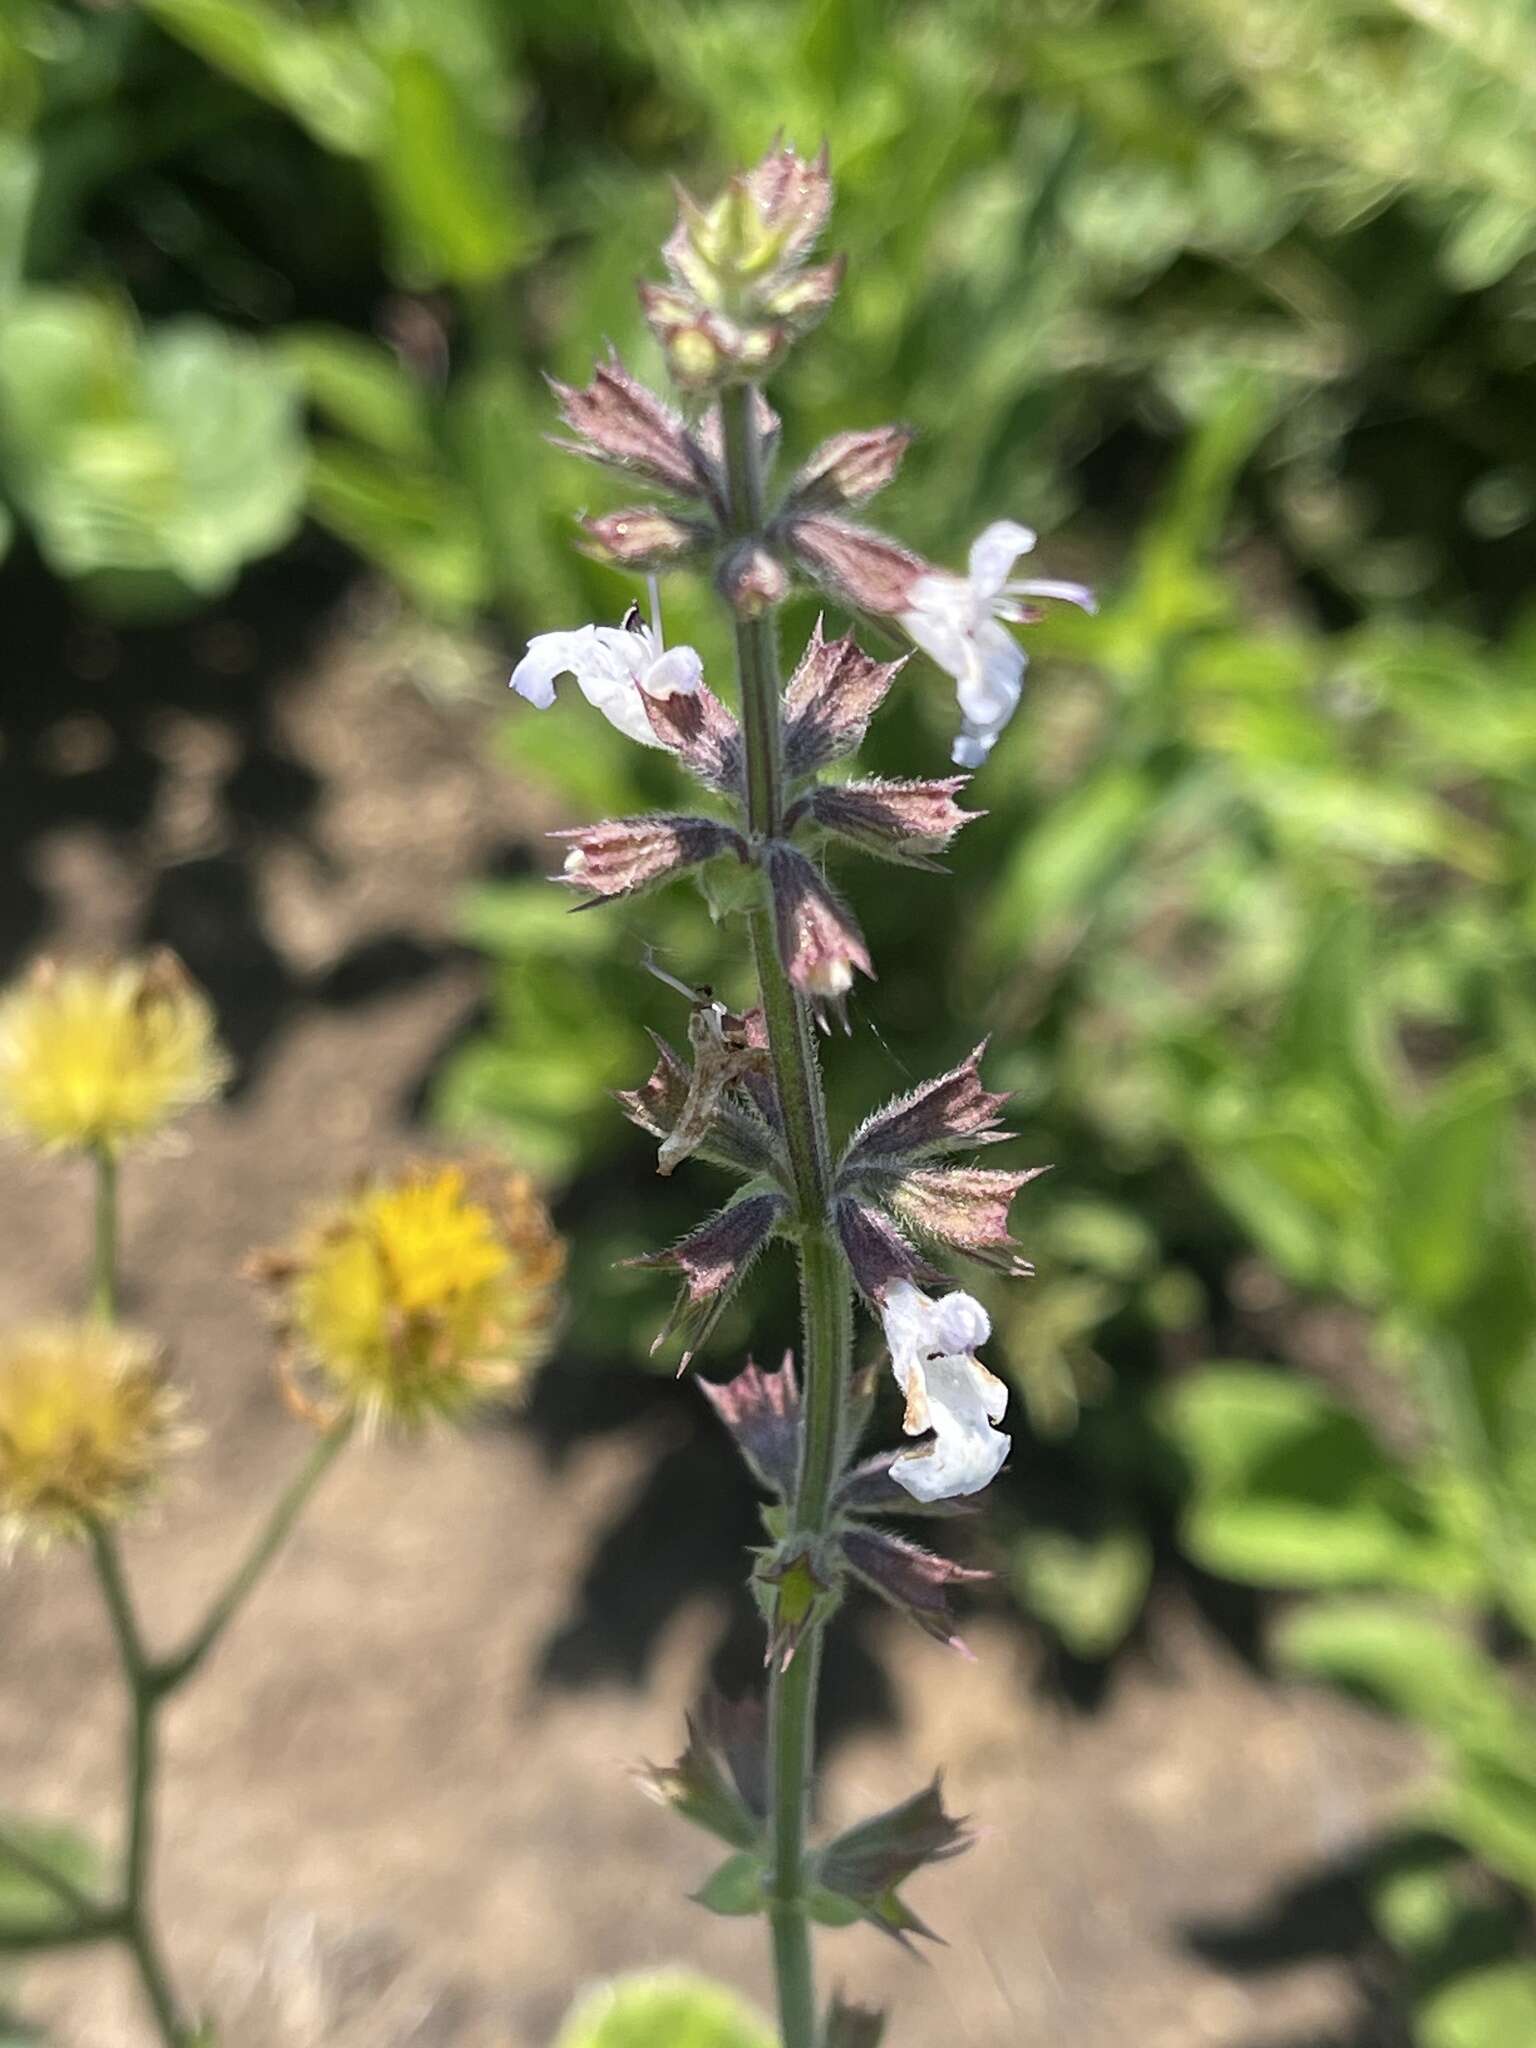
(907, 822)
(865, 569)
(643, 537)
(624, 855)
(751, 581)
(849, 468)
(819, 943)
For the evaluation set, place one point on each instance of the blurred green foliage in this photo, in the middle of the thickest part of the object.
(1236, 299)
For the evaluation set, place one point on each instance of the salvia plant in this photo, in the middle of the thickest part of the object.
(743, 286)
(410, 1298)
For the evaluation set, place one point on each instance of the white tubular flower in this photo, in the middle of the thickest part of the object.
(960, 622)
(948, 1390)
(612, 665)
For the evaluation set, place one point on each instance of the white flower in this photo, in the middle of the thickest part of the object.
(948, 1390)
(959, 621)
(612, 665)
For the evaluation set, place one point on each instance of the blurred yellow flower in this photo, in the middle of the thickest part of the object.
(94, 1057)
(87, 1420)
(419, 1296)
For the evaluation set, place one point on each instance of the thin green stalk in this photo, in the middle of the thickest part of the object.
(104, 1256)
(824, 1281)
(177, 1668)
(135, 1925)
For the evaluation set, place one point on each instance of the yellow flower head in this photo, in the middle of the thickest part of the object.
(419, 1296)
(96, 1057)
(87, 1421)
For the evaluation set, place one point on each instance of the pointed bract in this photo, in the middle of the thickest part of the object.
(644, 537)
(871, 1488)
(967, 1207)
(621, 856)
(834, 692)
(949, 1114)
(702, 733)
(720, 1782)
(915, 1580)
(618, 421)
(877, 1252)
(762, 1412)
(867, 1863)
(713, 1260)
(907, 822)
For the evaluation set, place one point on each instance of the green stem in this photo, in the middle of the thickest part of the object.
(177, 1668)
(135, 1925)
(104, 1257)
(824, 1280)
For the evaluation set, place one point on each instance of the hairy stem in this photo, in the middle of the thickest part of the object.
(180, 1665)
(824, 1283)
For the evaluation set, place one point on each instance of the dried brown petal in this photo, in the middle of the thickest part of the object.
(869, 572)
(762, 1412)
(623, 855)
(900, 821)
(702, 733)
(915, 1580)
(950, 1114)
(734, 1133)
(713, 1260)
(848, 468)
(819, 942)
(834, 692)
(617, 420)
(964, 1206)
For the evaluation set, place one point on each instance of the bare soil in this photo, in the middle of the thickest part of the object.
(398, 1807)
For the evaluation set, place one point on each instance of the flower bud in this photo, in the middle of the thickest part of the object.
(906, 822)
(848, 469)
(819, 942)
(833, 694)
(864, 569)
(624, 855)
(751, 581)
(643, 537)
(798, 1586)
(618, 421)
(950, 1114)
(416, 1297)
(907, 1577)
(703, 734)
(762, 1412)
(97, 1058)
(713, 1260)
(699, 346)
(87, 1422)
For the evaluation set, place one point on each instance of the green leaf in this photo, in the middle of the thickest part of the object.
(359, 386)
(1088, 1589)
(1450, 1176)
(736, 1889)
(1489, 2008)
(1061, 868)
(415, 525)
(663, 2009)
(457, 220)
(321, 74)
(1403, 1659)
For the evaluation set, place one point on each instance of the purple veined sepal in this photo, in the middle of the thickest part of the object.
(623, 856)
(847, 469)
(819, 940)
(831, 697)
(951, 1113)
(713, 1260)
(903, 821)
(620, 422)
(720, 1782)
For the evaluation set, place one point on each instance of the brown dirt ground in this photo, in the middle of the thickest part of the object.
(380, 1826)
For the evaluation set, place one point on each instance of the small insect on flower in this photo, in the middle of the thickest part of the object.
(960, 621)
(417, 1297)
(616, 669)
(87, 1422)
(97, 1057)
